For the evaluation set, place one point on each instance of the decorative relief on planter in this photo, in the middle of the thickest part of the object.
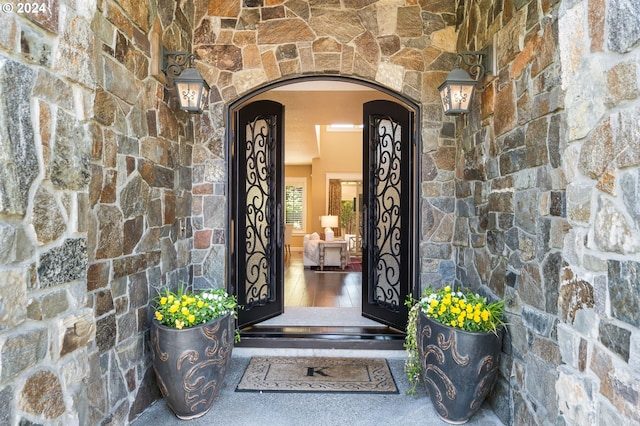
(458, 367)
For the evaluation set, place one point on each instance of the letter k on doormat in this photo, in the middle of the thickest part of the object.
(317, 374)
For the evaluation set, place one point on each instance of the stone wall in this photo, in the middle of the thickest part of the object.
(599, 295)
(404, 46)
(139, 197)
(47, 328)
(102, 181)
(95, 201)
(547, 204)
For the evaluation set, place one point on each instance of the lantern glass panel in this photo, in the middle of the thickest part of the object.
(189, 94)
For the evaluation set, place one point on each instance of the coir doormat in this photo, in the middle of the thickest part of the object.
(317, 374)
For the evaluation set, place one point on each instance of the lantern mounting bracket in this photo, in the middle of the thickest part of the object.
(174, 62)
(479, 63)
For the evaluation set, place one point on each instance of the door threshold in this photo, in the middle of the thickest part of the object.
(342, 337)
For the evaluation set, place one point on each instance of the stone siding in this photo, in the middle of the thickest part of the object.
(95, 206)
(47, 327)
(599, 289)
(547, 188)
(139, 197)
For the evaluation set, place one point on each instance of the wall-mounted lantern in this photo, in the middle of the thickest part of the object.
(192, 89)
(458, 88)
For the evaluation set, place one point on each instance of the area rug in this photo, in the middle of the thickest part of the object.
(317, 374)
(354, 266)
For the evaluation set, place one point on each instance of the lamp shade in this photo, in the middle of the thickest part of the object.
(329, 221)
(193, 91)
(457, 91)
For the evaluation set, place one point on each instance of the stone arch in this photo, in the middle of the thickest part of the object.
(407, 100)
(214, 255)
(405, 51)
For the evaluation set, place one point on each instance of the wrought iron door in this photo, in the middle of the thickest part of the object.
(387, 212)
(258, 231)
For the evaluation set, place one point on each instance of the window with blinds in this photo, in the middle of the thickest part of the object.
(295, 203)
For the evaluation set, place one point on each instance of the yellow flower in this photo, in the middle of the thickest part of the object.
(485, 315)
(434, 302)
(185, 309)
(476, 318)
(429, 310)
(447, 289)
(453, 323)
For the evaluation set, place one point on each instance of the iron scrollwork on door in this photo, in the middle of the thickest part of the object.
(260, 217)
(385, 212)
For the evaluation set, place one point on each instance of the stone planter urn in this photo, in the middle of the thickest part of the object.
(190, 364)
(458, 367)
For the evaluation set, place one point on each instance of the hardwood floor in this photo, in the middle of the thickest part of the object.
(321, 310)
(304, 287)
(319, 299)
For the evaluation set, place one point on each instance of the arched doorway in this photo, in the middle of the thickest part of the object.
(390, 166)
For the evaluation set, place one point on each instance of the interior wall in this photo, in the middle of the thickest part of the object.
(341, 152)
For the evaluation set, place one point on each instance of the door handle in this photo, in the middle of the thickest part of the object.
(279, 226)
(365, 226)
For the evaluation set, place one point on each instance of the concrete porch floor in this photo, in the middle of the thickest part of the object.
(308, 409)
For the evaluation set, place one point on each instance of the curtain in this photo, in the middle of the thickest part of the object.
(335, 202)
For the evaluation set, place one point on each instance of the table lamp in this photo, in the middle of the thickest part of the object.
(328, 222)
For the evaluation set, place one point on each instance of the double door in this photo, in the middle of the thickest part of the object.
(257, 226)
